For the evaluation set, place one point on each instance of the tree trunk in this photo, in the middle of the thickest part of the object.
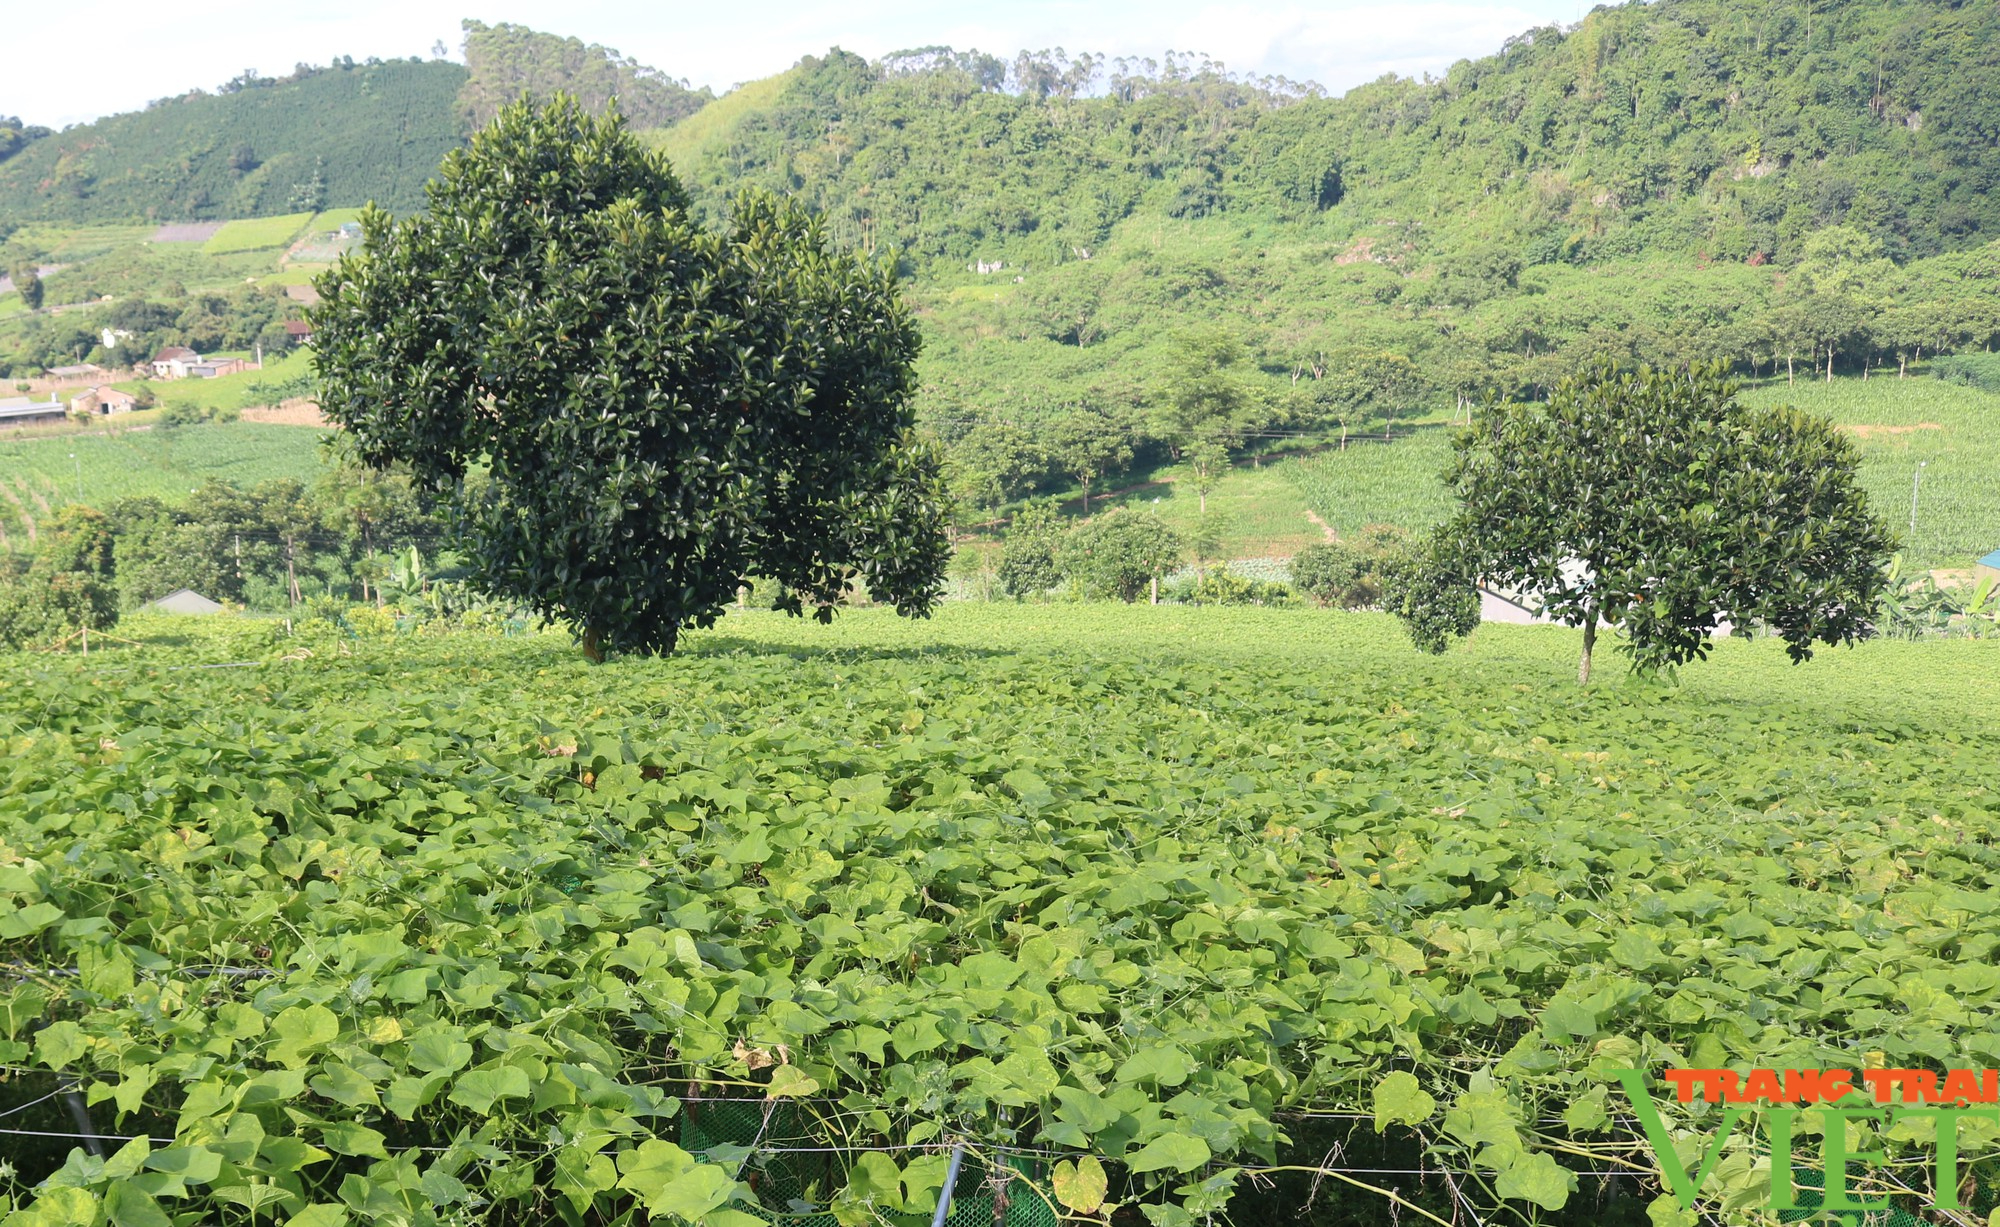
(1086, 497)
(1589, 643)
(1902, 366)
(593, 644)
(1154, 582)
(1788, 371)
(1829, 364)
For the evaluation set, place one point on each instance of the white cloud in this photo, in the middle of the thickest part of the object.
(1344, 46)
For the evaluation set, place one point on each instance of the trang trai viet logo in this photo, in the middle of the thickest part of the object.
(1779, 1098)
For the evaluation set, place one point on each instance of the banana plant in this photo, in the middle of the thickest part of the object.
(1916, 606)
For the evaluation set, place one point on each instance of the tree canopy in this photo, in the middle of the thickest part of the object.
(661, 407)
(1656, 503)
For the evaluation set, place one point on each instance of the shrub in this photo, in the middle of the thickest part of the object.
(1030, 561)
(1119, 554)
(1980, 371)
(1330, 574)
(370, 622)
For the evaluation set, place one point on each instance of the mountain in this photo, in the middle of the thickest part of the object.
(341, 135)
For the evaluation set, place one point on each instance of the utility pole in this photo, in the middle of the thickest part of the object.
(1916, 483)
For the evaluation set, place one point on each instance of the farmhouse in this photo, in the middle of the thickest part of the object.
(300, 331)
(103, 400)
(212, 368)
(20, 411)
(305, 295)
(173, 362)
(184, 601)
(75, 374)
(1987, 567)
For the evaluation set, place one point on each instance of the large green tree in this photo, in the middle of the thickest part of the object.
(1655, 502)
(662, 406)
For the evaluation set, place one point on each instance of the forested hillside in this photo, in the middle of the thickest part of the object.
(341, 135)
(506, 61)
(1719, 127)
(1775, 186)
(1096, 246)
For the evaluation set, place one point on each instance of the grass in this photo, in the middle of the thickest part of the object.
(238, 391)
(1253, 511)
(332, 219)
(1953, 430)
(256, 234)
(684, 142)
(294, 274)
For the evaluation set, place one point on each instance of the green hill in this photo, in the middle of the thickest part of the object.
(1792, 190)
(334, 136)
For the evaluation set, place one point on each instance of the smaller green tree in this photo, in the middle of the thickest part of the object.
(1031, 558)
(1330, 573)
(1120, 554)
(28, 283)
(1657, 503)
(1426, 587)
(1208, 406)
(67, 588)
(1089, 441)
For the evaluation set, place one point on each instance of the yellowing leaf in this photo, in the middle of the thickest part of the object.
(1080, 1185)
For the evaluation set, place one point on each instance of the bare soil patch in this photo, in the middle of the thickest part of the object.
(287, 413)
(1867, 430)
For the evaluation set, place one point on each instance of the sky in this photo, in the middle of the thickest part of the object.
(140, 51)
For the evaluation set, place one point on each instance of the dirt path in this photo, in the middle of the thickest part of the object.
(1323, 525)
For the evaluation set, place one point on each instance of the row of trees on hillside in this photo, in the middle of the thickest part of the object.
(1705, 126)
(320, 137)
(277, 543)
(1091, 381)
(355, 534)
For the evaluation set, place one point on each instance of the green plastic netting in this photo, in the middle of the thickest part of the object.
(795, 1170)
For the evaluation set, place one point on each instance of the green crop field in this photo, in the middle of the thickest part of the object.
(1895, 424)
(256, 234)
(38, 475)
(332, 219)
(1174, 891)
(1372, 482)
(1954, 431)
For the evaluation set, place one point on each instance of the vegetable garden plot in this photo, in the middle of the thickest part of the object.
(1100, 891)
